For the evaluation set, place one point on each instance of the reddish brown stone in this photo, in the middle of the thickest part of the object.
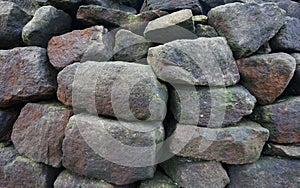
(266, 76)
(7, 120)
(39, 131)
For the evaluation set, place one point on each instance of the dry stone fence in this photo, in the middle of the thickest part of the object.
(149, 94)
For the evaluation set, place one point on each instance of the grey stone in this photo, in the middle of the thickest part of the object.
(205, 31)
(232, 145)
(111, 4)
(192, 173)
(12, 20)
(289, 151)
(193, 61)
(111, 150)
(247, 26)
(26, 5)
(29, 71)
(67, 5)
(292, 8)
(46, 23)
(211, 107)
(7, 120)
(266, 172)
(159, 180)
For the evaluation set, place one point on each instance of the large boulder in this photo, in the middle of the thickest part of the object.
(266, 76)
(7, 120)
(119, 89)
(266, 172)
(233, 145)
(114, 151)
(193, 61)
(247, 26)
(281, 118)
(195, 173)
(40, 29)
(13, 19)
(29, 72)
(211, 107)
(39, 131)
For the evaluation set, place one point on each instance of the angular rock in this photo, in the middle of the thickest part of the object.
(28, 70)
(281, 118)
(129, 46)
(26, 5)
(17, 171)
(13, 19)
(211, 107)
(79, 45)
(40, 29)
(39, 131)
(266, 172)
(247, 26)
(68, 179)
(288, 37)
(172, 5)
(293, 87)
(178, 25)
(111, 150)
(192, 173)
(193, 61)
(266, 76)
(205, 31)
(118, 89)
(7, 120)
(159, 180)
(292, 8)
(233, 145)
(289, 151)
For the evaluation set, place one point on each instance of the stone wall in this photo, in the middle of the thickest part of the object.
(153, 94)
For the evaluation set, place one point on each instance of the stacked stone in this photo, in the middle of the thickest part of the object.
(132, 93)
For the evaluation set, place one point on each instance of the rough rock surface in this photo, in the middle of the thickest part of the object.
(178, 25)
(211, 107)
(40, 29)
(289, 151)
(159, 180)
(129, 46)
(90, 142)
(111, 4)
(26, 5)
(192, 173)
(39, 131)
(233, 145)
(67, 5)
(7, 120)
(28, 70)
(118, 89)
(266, 76)
(292, 8)
(17, 171)
(72, 47)
(266, 172)
(193, 61)
(281, 118)
(288, 37)
(13, 19)
(247, 26)
(205, 31)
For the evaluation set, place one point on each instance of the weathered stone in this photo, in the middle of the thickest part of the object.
(193, 61)
(7, 120)
(159, 180)
(172, 5)
(233, 145)
(288, 37)
(118, 89)
(129, 46)
(292, 8)
(39, 131)
(12, 20)
(77, 45)
(28, 71)
(281, 118)
(266, 76)
(247, 26)
(67, 5)
(108, 149)
(205, 31)
(178, 25)
(200, 19)
(26, 5)
(211, 107)
(68, 179)
(293, 87)
(46, 23)
(111, 4)
(17, 171)
(289, 151)
(192, 173)
(266, 172)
